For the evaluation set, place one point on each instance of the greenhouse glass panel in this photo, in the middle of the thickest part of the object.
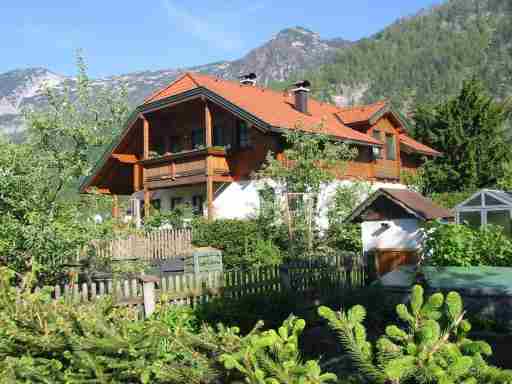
(475, 202)
(473, 219)
(489, 200)
(501, 218)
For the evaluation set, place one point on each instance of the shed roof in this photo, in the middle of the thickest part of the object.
(413, 202)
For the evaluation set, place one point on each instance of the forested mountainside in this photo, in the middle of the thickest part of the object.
(424, 57)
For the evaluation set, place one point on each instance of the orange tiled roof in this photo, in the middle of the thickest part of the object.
(360, 113)
(416, 146)
(275, 108)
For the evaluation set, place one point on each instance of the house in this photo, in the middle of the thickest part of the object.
(391, 225)
(199, 139)
(487, 206)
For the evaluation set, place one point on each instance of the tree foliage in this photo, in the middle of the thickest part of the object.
(470, 130)
(424, 57)
(44, 221)
(433, 347)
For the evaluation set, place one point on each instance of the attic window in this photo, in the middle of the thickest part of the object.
(377, 135)
(390, 147)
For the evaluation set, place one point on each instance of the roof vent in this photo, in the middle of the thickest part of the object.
(248, 79)
(301, 91)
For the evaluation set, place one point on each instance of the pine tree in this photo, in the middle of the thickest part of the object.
(470, 130)
(433, 347)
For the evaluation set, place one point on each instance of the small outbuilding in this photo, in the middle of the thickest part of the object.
(391, 226)
(487, 206)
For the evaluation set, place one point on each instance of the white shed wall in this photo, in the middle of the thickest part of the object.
(401, 234)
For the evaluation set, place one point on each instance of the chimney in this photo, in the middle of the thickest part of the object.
(301, 91)
(248, 79)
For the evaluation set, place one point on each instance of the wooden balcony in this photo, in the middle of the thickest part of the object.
(190, 167)
(390, 173)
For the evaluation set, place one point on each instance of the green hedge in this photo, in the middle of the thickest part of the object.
(244, 242)
(460, 245)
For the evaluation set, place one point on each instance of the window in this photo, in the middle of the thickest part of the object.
(390, 147)
(377, 151)
(244, 138)
(197, 137)
(218, 136)
(197, 205)
(175, 202)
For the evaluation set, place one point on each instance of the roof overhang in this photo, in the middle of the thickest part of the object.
(370, 200)
(194, 93)
(388, 109)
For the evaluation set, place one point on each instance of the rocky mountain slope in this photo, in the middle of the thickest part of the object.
(292, 50)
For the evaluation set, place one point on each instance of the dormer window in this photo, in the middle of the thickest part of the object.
(390, 147)
(376, 150)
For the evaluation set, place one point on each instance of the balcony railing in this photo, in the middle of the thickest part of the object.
(178, 168)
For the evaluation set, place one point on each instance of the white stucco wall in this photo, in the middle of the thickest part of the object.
(397, 234)
(240, 200)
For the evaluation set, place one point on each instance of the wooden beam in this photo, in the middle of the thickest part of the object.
(209, 196)
(207, 125)
(137, 174)
(115, 207)
(125, 158)
(102, 191)
(167, 144)
(147, 202)
(145, 137)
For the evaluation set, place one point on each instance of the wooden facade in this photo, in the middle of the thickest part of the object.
(199, 141)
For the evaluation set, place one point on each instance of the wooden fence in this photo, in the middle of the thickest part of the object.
(152, 246)
(191, 289)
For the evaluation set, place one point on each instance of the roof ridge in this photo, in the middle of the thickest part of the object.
(191, 76)
(264, 89)
(162, 90)
(352, 107)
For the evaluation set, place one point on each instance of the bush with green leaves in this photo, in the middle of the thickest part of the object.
(178, 218)
(430, 346)
(461, 245)
(244, 242)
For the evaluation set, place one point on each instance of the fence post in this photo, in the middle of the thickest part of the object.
(148, 294)
(284, 277)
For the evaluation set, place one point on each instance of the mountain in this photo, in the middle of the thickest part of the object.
(292, 50)
(424, 57)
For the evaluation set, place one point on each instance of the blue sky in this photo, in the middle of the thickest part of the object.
(124, 36)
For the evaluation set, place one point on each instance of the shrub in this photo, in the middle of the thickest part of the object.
(432, 348)
(243, 242)
(177, 218)
(274, 357)
(460, 245)
(346, 237)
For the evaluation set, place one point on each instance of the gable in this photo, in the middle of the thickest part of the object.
(383, 208)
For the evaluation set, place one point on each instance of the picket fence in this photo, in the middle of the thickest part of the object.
(154, 246)
(311, 278)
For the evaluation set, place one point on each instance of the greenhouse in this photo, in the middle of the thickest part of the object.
(487, 206)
